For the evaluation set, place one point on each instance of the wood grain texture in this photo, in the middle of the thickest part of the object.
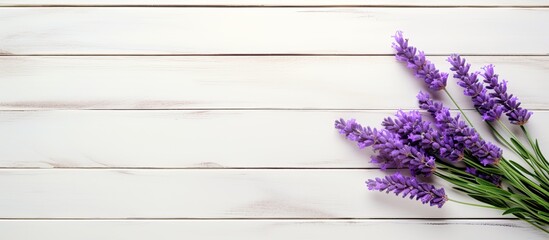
(208, 146)
(265, 229)
(211, 194)
(276, 3)
(262, 30)
(193, 139)
(240, 82)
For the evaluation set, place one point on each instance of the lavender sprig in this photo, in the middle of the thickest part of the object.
(483, 102)
(517, 115)
(392, 152)
(415, 60)
(408, 186)
(406, 124)
(409, 141)
(421, 134)
(460, 136)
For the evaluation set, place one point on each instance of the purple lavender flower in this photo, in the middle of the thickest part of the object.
(483, 102)
(447, 147)
(415, 60)
(517, 115)
(392, 152)
(414, 131)
(458, 135)
(493, 178)
(409, 186)
(405, 124)
(419, 162)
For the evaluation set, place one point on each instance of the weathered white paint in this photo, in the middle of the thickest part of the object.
(193, 139)
(164, 203)
(240, 82)
(271, 30)
(276, 2)
(266, 229)
(215, 193)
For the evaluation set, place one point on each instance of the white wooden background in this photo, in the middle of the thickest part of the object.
(213, 119)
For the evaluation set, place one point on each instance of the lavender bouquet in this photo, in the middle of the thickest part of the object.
(447, 146)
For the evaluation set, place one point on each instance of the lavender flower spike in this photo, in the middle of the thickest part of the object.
(392, 152)
(485, 104)
(516, 114)
(409, 186)
(458, 135)
(415, 60)
(416, 132)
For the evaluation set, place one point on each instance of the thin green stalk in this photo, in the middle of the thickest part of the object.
(499, 135)
(530, 214)
(539, 175)
(523, 170)
(514, 181)
(512, 177)
(522, 199)
(456, 180)
(539, 154)
(527, 136)
(529, 182)
(458, 107)
(492, 127)
(475, 205)
(501, 138)
(535, 158)
(511, 134)
(537, 164)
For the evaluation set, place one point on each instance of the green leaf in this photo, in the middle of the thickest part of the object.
(491, 201)
(543, 213)
(493, 189)
(543, 216)
(483, 182)
(520, 167)
(538, 151)
(514, 210)
(463, 190)
(521, 151)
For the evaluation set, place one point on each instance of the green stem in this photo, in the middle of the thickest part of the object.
(541, 158)
(534, 160)
(513, 176)
(502, 139)
(459, 108)
(531, 213)
(528, 181)
(475, 205)
(511, 134)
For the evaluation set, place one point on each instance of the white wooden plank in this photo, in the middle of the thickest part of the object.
(276, 2)
(239, 82)
(213, 193)
(271, 30)
(193, 139)
(266, 229)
